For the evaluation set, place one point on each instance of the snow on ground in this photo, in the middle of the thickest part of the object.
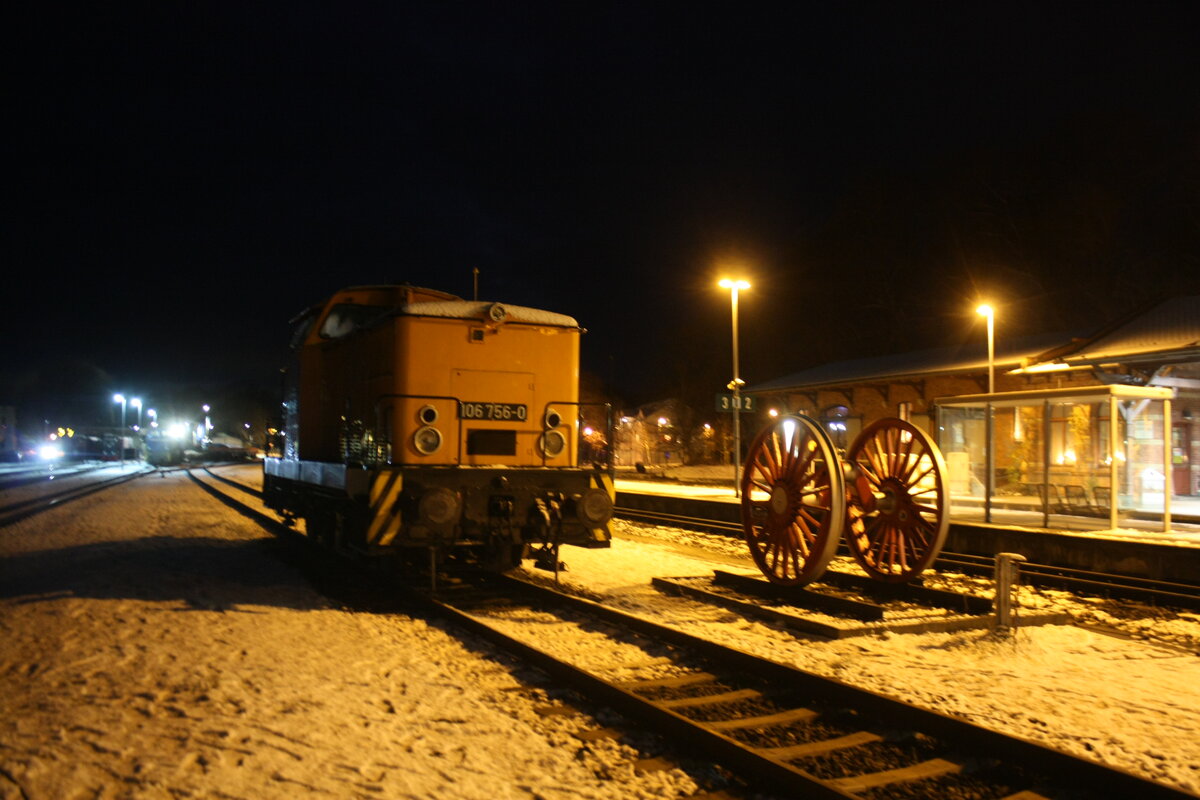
(157, 644)
(1125, 702)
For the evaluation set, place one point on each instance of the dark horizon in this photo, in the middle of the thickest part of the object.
(190, 180)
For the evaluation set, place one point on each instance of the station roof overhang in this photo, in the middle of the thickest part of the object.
(912, 366)
(1074, 395)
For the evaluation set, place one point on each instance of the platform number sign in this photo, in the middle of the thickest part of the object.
(744, 403)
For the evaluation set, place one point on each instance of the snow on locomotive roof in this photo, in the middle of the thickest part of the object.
(469, 309)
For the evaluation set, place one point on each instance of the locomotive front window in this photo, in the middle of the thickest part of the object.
(346, 318)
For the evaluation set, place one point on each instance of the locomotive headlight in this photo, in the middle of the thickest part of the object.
(438, 507)
(427, 440)
(427, 415)
(552, 419)
(552, 443)
(594, 507)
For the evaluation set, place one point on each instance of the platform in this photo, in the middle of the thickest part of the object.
(1169, 556)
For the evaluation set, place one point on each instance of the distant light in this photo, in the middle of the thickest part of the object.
(136, 402)
(118, 398)
(728, 283)
(662, 420)
(985, 310)
(176, 430)
(773, 412)
(1050, 366)
(49, 452)
(588, 431)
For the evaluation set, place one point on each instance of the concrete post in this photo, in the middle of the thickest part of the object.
(1007, 576)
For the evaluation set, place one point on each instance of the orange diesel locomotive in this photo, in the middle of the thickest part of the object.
(419, 422)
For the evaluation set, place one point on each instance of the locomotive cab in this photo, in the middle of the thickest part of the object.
(416, 419)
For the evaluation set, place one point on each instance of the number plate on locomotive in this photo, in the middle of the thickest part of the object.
(493, 411)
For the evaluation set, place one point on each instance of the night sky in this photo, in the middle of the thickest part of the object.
(188, 177)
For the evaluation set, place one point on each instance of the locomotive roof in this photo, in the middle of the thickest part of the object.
(473, 309)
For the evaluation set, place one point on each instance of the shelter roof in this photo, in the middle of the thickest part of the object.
(936, 361)
(1168, 330)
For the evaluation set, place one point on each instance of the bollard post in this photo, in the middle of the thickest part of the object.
(1007, 574)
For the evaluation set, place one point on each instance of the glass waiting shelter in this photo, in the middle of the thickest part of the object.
(1074, 459)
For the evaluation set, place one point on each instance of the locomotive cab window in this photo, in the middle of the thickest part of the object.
(345, 319)
(303, 324)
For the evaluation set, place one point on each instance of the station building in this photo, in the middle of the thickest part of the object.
(1081, 431)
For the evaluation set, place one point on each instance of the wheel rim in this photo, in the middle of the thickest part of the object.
(897, 506)
(793, 501)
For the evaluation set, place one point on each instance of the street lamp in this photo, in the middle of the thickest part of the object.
(120, 398)
(736, 384)
(987, 311)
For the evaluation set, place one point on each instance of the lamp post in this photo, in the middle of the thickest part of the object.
(120, 398)
(990, 461)
(736, 384)
(987, 311)
(207, 421)
(136, 402)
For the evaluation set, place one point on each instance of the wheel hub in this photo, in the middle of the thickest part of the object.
(780, 500)
(893, 503)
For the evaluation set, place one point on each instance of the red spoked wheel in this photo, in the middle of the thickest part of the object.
(793, 501)
(898, 495)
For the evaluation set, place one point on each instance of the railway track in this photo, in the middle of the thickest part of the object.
(779, 729)
(1125, 587)
(14, 512)
(27, 477)
(680, 521)
(775, 728)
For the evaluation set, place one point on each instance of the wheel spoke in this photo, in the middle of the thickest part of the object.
(907, 524)
(791, 460)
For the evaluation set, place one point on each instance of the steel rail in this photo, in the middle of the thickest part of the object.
(759, 766)
(771, 774)
(250, 490)
(1127, 587)
(679, 521)
(46, 475)
(270, 523)
(762, 768)
(15, 512)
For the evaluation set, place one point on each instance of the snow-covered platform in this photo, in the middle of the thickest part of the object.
(1157, 555)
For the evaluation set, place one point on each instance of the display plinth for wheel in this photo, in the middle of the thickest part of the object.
(819, 610)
